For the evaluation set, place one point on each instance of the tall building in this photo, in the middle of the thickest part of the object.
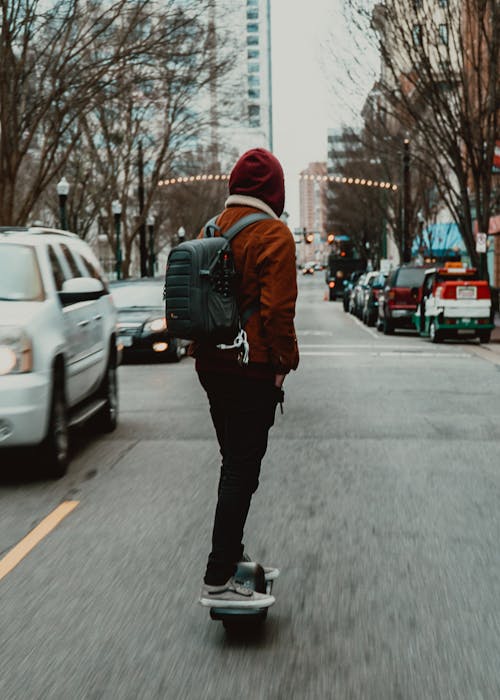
(313, 188)
(251, 75)
(342, 145)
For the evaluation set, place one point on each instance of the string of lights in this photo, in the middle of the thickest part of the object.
(338, 179)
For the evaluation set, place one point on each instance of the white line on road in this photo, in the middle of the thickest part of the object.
(362, 346)
(374, 334)
(310, 332)
(402, 353)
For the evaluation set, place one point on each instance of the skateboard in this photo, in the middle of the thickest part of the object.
(250, 574)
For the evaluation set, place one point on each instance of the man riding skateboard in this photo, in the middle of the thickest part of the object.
(243, 397)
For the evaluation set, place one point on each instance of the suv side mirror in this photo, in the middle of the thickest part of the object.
(80, 289)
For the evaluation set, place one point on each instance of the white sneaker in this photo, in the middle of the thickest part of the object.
(233, 595)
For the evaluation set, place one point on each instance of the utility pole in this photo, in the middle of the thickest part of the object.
(142, 225)
(406, 201)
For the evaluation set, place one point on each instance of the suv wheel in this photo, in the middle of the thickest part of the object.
(55, 447)
(107, 418)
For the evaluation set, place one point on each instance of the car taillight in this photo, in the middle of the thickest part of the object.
(483, 290)
(331, 285)
(392, 295)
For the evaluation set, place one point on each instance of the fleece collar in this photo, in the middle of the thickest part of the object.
(244, 200)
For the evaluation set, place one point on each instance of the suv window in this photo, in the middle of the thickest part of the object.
(20, 278)
(410, 277)
(93, 272)
(81, 264)
(70, 260)
(57, 271)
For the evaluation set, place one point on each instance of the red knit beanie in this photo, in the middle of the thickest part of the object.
(259, 174)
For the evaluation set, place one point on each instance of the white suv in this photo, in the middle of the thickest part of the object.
(58, 357)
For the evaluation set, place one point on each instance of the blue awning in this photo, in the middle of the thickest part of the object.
(439, 239)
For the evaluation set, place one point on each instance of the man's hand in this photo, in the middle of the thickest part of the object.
(279, 379)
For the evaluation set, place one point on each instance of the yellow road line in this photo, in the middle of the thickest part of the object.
(29, 542)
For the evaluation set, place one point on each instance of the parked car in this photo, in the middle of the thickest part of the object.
(398, 300)
(58, 355)
(359, 291)
(453, 303)
(348, 289)
(374, 287)
(142, 327)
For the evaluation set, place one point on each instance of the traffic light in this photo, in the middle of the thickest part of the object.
(331, 238)
(309, 238)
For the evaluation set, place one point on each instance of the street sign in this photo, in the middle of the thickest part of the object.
(481, 239)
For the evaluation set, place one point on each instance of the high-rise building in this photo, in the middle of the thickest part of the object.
(251, 75)
(313, 187)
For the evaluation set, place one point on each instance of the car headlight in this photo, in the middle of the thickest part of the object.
(156, 326)
(16, 351)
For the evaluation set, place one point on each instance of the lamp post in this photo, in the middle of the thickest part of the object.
(62, 191)
(406, 201)
(151, 237)
(181, 233)
(117, 212)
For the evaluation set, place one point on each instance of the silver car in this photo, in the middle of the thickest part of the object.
(58, 356)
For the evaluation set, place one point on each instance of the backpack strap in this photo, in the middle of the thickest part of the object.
(229, 235)
(210, 228)
(209, 231)
(243, 223)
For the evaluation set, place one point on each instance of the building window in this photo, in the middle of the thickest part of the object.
(417, 35)
(253, 67)
(443, 3)
(252, 3)
(253, 40)
(253, 94)
(443, 34)
(252, 27)
(417, 5)
(253, 53)
(254, 115)
(253, 14)
(253, 80)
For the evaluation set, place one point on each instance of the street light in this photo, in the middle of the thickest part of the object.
(181, 233)
(116, 208)
(62, 191)
(406, 201)
(151, 234)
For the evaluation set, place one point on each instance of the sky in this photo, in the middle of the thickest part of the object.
(311, 47)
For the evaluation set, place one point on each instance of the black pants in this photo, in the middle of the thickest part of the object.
(242, 411)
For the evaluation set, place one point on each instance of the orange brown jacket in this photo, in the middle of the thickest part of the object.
(264, 258)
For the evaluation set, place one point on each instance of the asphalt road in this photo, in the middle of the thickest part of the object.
(379, 501)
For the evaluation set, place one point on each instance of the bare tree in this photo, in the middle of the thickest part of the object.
(358, 206)
(64, 64)
(135, 136)
(439, 86)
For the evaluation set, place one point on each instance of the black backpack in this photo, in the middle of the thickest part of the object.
(200, 284)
